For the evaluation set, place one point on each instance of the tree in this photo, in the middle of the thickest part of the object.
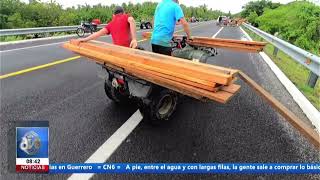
(252, 18)
(297, 22)
(16, 14)
(7, 9)
(15, 20)
(258, 7)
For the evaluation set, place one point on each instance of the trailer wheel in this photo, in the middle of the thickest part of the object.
(161, 106)
(115, 95)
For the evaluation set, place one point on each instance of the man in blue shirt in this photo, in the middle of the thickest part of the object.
(167, 14)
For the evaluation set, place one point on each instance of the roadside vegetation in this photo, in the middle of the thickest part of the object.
(297, 73)
(17, 14)
(298, 23)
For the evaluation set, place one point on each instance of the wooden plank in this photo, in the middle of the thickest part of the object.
(190, 73)
(191, 83)
(165, 65)
(207, 40)
(232, 88)
(304, 129)
(230, 46)
(220, 96)
(147, 72)
(234, 41)
(238, 45)
(119, 63)
(129, 65)
(151, 74)
(172, 60)
(157, 58)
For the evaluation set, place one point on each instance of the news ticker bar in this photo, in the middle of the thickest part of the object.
(187, 168)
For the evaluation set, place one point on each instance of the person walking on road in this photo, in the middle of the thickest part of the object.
(167, 14)
(122, 28)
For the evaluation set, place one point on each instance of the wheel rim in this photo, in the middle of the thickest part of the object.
(165, 105)
(80, 32)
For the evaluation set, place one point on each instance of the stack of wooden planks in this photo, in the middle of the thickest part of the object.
(237, 45)
(201, 81)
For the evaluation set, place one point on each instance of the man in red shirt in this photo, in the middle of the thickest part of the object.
(122, 28)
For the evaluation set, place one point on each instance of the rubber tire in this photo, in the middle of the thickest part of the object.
(150, 111)
(80, 32)
(114, 94)
(141, 26)
(148, 25)
(91, 30)
(94, 28)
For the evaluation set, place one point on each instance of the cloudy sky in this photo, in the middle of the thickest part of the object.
(224, 5)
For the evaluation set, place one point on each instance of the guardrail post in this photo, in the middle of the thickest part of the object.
(275, 51)
(312, 80)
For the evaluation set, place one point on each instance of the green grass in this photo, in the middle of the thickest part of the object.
(296, 72)
(11, 38)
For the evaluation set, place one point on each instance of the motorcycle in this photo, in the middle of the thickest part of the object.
(86, 28)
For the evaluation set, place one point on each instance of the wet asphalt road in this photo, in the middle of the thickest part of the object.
(71, 97)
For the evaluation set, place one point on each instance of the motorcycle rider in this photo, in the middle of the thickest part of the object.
(122, 28)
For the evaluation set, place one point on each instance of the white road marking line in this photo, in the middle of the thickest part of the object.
(103, 153)
(36, 40)
(246, 35)
(217, 32)
(29, 47)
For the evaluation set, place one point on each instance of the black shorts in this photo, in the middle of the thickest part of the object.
(161, 49)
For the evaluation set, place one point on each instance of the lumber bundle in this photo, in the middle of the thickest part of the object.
(237, 45)
(201, 81)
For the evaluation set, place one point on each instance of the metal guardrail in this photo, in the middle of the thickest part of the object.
(24, 31)
(39, 30)
(307, 59)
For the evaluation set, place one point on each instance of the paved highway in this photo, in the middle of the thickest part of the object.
(71, 97)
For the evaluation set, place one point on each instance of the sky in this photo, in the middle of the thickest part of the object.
(234, 6)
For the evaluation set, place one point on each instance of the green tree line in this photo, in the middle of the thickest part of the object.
(17, 14)
(297, 22)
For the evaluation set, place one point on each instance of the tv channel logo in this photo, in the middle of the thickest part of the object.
(32, 142)
(32, 149)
